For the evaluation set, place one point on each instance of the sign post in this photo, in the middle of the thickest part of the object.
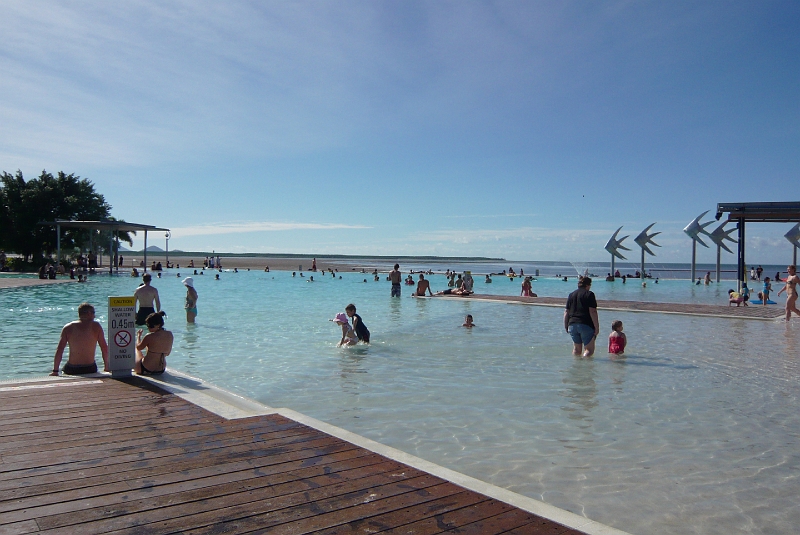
(121, 341)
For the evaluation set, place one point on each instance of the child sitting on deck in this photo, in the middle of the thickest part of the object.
(617, 339)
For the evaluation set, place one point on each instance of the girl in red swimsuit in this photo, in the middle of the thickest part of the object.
(617, 339)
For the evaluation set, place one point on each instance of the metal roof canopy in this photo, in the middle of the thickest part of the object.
(756, 212)
(123, 226)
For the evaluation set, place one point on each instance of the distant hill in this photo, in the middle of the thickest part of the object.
(155, 249)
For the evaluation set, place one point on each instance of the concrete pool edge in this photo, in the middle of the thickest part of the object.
(232, 406)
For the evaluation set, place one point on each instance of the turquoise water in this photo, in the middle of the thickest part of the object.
(694, 431)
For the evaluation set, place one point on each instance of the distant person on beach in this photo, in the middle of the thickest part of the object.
(314, 264)
(617, 339)
(146, 296)
(82, 336)
(580, 318)
(358, 325)
(349, 337)
(157, 342)
(190, 304)
(395, 276)
(468, 322)
(423, 286)
(791, 292)
(759, 271)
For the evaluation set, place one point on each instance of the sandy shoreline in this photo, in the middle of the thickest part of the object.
(259, 263)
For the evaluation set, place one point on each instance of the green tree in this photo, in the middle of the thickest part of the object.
(24, 205)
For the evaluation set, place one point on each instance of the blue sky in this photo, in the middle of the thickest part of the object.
(524, 130)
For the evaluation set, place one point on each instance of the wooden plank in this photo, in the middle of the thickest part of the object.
(434, 509)
(16, 489)
(239, 517)
(128, 514)
(221, 483)
(316, 445)
(180, 436)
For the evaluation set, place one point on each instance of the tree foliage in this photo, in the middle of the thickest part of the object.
(24, 205)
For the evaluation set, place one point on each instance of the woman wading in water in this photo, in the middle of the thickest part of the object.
(191, 299)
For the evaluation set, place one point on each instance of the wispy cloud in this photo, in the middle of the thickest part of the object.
(254, 226)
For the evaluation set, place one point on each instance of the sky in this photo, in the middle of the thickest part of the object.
(525, 130)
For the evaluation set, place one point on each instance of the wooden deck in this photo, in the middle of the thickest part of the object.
(759, 312)
(107, 456)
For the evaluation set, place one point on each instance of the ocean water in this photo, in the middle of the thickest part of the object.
(695, 430)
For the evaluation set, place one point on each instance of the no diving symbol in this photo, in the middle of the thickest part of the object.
(122, 338)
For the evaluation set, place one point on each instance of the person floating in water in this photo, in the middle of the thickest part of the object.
(358, 325)
(617, 339)
(157, 342)
(82, 336)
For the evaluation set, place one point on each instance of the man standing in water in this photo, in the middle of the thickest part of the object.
(82, 336)
(791, 292)
(580, 318)
(146, 295)
(395, 276)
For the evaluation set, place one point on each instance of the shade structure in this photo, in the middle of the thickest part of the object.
(116, 226)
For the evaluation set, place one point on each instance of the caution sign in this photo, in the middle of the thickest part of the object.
(121, 324)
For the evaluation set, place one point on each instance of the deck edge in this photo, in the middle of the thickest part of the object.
(232, 406)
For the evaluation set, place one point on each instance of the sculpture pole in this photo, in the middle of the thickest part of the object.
(644, 239)
(718, 236)
(694, 230)
(613, 246)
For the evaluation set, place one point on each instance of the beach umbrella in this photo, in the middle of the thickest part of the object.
(694, 230)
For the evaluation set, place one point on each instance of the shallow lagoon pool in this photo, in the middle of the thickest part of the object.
(694, 431)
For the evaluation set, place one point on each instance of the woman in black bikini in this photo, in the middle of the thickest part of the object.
(158, 343)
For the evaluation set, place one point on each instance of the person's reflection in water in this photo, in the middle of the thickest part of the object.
(190, 348)
(395, 310)
(351, 370)
(581, 389)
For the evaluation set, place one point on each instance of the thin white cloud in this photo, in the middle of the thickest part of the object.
(254, 226)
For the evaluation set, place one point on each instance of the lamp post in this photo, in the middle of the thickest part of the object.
(694, 230)
(644, 239)
(718, 235)
(167, 235)
(794, 238)
(613, 246)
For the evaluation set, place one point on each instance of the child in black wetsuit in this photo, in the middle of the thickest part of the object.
(358, 325)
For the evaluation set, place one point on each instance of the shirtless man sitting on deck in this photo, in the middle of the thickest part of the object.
(791, 292)
(423, 285)
(82, 336)
(146, 295)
